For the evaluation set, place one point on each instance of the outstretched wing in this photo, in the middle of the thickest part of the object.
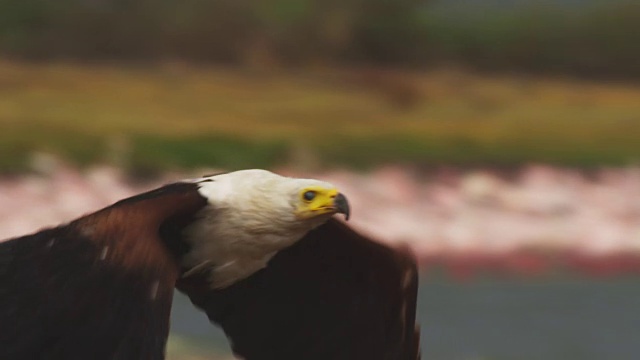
(333, 295)
(98, 288)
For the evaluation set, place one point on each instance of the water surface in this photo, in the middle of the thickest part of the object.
(503, 320)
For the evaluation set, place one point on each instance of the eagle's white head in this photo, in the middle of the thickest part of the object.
(252, 214)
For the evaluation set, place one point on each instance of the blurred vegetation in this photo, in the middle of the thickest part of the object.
(588, 38)
(248, 83)
(594, 39)
(152, 118)
(232, 31)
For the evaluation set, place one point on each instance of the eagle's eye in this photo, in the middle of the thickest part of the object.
(309, 195)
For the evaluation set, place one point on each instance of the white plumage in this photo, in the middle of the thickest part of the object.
(250, 216)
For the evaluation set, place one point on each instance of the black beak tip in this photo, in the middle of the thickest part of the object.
(343, 206)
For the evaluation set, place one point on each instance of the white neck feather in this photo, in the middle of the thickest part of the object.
(249, 218)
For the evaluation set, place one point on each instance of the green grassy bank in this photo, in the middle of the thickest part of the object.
(179, 116)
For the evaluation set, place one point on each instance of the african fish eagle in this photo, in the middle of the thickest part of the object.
(258, 252)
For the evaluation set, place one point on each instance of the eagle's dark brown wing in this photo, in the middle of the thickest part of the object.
(333, 295)
(98, 288)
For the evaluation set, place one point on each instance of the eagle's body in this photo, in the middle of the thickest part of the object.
(258, 252)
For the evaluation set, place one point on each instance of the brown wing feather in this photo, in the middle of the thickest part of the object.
(98, 288)
(333, 295)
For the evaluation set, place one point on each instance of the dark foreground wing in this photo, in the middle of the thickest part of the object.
(333, 295)
(98, 288)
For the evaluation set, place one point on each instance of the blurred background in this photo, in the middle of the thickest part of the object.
(500, 139)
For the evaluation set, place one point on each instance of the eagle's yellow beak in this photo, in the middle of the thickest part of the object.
(318, 201)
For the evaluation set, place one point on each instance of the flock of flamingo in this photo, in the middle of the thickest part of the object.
(533, 221)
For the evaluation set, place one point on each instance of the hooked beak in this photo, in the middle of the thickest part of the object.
(342, 205)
